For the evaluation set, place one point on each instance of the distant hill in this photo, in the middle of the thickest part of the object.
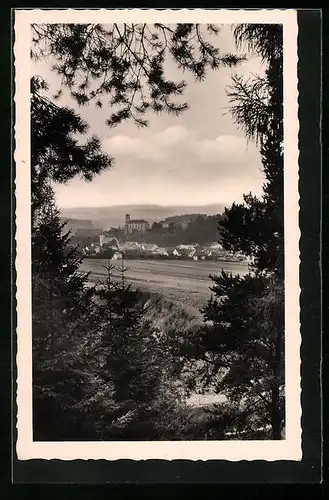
(113, 216)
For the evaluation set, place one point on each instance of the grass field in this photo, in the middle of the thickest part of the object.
(186, 282)
(179, 289)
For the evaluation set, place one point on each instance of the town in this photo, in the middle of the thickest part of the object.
(127, 242)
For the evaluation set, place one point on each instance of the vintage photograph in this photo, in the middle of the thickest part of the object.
(157, 229)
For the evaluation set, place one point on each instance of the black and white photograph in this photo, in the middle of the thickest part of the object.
(157, 234)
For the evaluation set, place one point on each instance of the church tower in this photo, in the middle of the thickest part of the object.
(127, 220)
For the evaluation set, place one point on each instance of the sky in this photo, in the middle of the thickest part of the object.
(197, 158)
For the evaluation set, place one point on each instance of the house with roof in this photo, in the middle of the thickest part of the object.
(185, 247)
(95, 248)
(161, 251)
(216, 246)
(107, 240)
(200, 254)
(148, 247)
(182, 251)
(131, 225)
(187, 250)
(176, 252)
(117, 255)
(130, 245)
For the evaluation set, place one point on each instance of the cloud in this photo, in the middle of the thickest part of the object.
(149, 146)
(172, 136)
(179, 148)
(223, 147)
(172, 166)
(197, 158)
(124, 145)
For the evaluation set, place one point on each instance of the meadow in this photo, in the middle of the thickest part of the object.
(186, 282)
(178, 289)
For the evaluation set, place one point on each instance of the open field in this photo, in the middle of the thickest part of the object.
(186, 282)
(180, 288)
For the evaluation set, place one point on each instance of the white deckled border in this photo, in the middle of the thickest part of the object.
(288, 449)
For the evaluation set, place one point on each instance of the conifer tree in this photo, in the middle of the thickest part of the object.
(137, 365)
(57, 154)
(123, 65)
(62, 305)
(61, 318)
(244, 334)
(72, 398)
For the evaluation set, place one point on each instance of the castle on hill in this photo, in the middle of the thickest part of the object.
(131, 225)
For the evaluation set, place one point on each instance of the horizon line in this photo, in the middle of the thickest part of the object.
(146, 204)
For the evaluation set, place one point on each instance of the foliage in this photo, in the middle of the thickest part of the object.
(126, 63)
(57, 154)
(57, 283)
(243, 227)
(249, 107)
(202, 230)
(264, 40)
(246, 339)
(243, 334)
(139, 364)
(62, 308)
(99, 369)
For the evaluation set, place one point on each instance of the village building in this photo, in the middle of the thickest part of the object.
(216, 246)
(148, 247)
(185, 224)
(91, 250)
(191, 253)
(131, 225)
(108, 240)
(130, 245)
(95, 248)
(176, 252)
(117, 255)
(186, 247)
(187, 251)
(161, 251)
(200, 254)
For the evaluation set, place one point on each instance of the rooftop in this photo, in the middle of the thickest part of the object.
(138, 221)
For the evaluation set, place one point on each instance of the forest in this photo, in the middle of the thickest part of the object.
(202, 229)
(102, 369)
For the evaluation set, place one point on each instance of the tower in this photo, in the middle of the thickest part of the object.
(126, 226)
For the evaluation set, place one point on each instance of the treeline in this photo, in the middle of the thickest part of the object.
(101, 371)
(85, 237)
(203, 229)
(184, 218)
(244, 319)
